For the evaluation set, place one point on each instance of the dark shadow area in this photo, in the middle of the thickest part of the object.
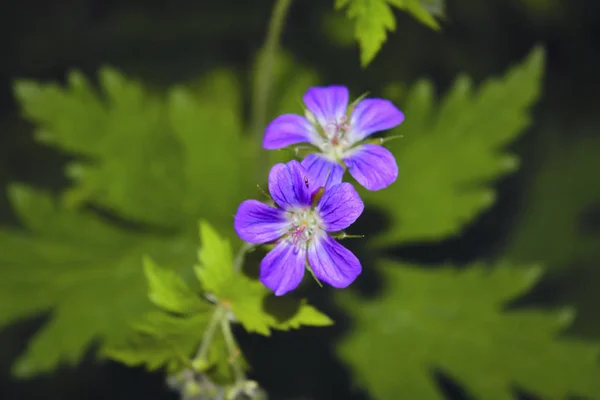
(450, 387)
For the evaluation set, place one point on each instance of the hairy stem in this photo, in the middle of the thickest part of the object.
(264, 77)
(234, 351)
(209, 333)
(219, 316)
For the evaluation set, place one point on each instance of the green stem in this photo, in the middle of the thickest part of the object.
(209, 333)
(220, 314)
(265, 74)
(238, 262)
(234, 351)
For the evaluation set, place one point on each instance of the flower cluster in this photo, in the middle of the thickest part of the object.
(310, 199)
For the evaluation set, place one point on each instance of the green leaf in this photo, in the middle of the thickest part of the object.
(106, 130)
(455, 320)
(216, 260)
(88, 273)
(562, 183)
(253, 304)
(160, 340)
(565, 187)
(207, 122)
(157, 162)
(257, 309)
(374, 18)
(168, 291)
(449, 154)
(188, 145)
(306, 315)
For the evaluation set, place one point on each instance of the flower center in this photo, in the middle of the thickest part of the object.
(305, 223)
(336, 143)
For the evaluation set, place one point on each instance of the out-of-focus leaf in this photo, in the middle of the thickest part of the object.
(454, 320)
(556, 223)
(88, 273)
(374, 18)
(160, 340)
(148, 159)
(289, 82)
(248, 299)
(216, 157)
(135, 144)
(123, 137)
(448, 154)
(168, 291)
(338, 28)
(559, 198)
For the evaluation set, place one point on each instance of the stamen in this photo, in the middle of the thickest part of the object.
(298, 233)
(338, 126)
(304, 225)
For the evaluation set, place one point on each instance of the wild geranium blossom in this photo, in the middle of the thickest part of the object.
(338, 131)
(307, 207)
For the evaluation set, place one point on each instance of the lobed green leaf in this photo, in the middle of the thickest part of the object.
(455, 320)
(449, 154)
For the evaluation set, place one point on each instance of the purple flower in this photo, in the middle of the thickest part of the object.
(338, 131)
(308, 208)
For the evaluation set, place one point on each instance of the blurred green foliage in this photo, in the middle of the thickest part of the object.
(84, 270)
(132, 142)
(149, 159)
(289, 81)
(454, 320)
(556, 222)
(157, 162)
(443, 318)
(454, 151)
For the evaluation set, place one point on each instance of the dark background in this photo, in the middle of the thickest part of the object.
(165, 42)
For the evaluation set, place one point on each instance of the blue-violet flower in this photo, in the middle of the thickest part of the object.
(337, 131)
(306, 208)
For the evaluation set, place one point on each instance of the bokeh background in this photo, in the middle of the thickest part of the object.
(548, 211)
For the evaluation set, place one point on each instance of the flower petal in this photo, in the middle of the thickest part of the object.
(332, 263)
(325, 173)
(327, 103)
(282, 268)
(256, 222)
(288, 129)
(289, 185)
(373, 115)
(373, 166)
(339, 207)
